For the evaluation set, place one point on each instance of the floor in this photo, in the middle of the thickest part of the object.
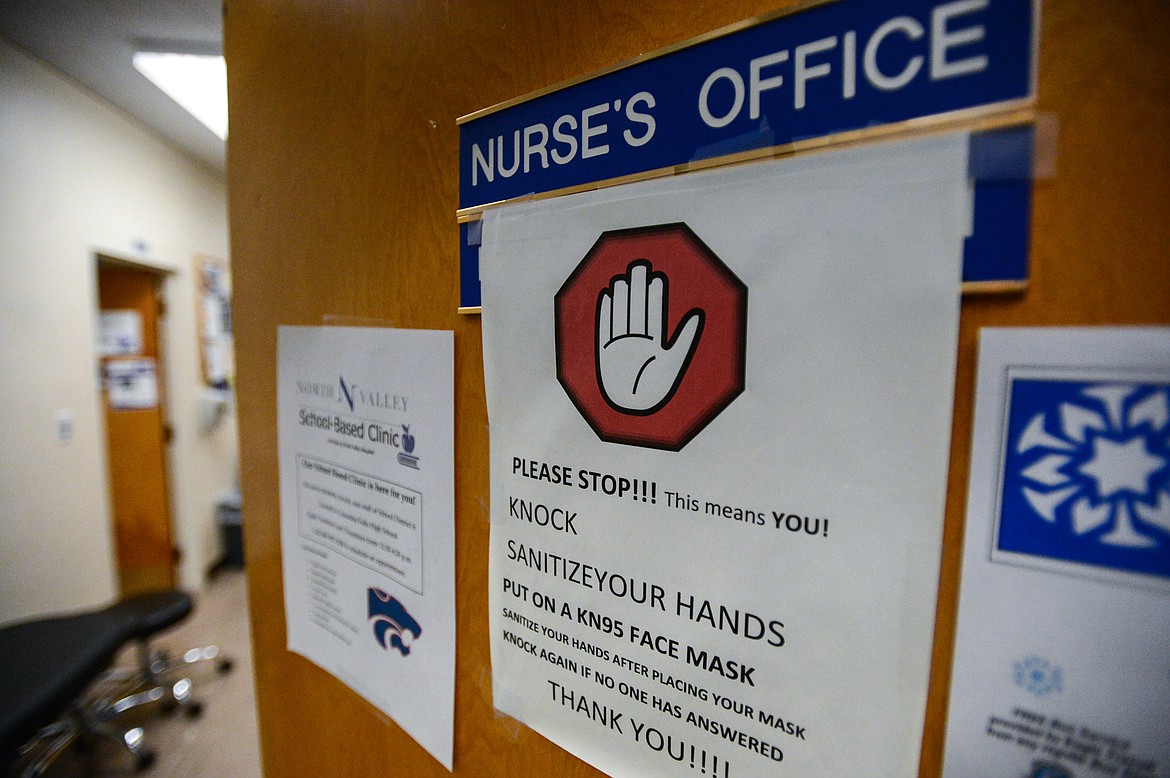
(223, 740)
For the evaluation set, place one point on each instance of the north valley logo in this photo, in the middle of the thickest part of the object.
(353, 395)
(346, 395)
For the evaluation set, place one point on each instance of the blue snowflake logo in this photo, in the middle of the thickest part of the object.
(1038, 676)
(1087, 474)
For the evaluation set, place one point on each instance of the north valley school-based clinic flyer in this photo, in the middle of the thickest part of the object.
(368, 517)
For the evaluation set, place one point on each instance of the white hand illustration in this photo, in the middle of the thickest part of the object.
(638, 369)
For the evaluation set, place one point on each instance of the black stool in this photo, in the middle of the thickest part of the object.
(56, 684)
(145, 616)
(48, 666)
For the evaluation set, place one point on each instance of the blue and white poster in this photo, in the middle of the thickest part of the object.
(812, 74)
(1062, 657)
(720, 414)
(367, 517)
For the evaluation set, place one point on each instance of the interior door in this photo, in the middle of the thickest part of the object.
(342, 196)
(136, 429)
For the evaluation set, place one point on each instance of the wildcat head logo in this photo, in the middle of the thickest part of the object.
(1044, 769)
(391, 619)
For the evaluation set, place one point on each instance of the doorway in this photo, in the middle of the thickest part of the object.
(137, 433)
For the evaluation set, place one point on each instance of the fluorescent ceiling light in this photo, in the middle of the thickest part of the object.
(197, 82)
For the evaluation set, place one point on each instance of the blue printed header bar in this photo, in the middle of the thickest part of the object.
(830, 68)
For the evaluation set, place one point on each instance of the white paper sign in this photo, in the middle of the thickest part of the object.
(132, 384)
(1062, 656)
(120, 333)
(720, 411)
(217, 358)
(367, 516)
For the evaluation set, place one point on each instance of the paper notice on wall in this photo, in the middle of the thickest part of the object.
(1062, 653)
(720, 412)
(367, 516)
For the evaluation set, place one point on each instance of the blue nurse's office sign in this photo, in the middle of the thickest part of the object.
(829, 68)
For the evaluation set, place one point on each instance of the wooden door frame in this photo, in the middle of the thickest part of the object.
(162, 276)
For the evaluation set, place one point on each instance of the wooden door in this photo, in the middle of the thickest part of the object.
(136, 433)
(343, 181)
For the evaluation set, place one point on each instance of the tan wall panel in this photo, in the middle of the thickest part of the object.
(343, 182)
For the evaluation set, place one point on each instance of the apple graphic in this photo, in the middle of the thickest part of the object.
(407, 439)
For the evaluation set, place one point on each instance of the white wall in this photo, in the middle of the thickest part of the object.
(77, 177)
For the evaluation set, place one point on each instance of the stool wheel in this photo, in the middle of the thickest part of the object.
(144, 760)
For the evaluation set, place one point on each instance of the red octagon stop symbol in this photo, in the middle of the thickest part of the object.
(651, 336)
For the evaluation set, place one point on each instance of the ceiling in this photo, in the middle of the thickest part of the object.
(92, 42)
